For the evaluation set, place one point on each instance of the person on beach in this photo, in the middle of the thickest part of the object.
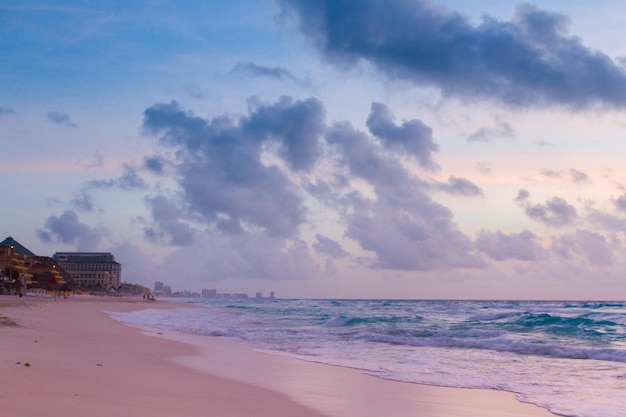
(22, 285)
(52, 282)
(17, 284)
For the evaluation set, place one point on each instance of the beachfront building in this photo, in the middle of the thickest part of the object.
(14, 260)
(18, 262)
(48, 274)
(91, 269)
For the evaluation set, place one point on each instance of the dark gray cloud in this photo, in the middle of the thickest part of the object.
(412, 137)
(255, 70)
(620, 203)
(252, 70)
(84, 201)
(365, 158)
(296, 126)
(155, 164)
(219, 162)
(60, 118)
(329, 247)
(522, 196)
(129, 180)
(501, 246)
(460, 186)
(555, 212)
(67, 229)
(531, 59)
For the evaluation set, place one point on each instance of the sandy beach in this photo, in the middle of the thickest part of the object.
(70, 358)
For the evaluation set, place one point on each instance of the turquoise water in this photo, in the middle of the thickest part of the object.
(569, 357)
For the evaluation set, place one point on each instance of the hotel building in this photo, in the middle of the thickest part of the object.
(91, 269)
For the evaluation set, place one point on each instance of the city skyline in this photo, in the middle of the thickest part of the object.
(330, 149)
(163, 289)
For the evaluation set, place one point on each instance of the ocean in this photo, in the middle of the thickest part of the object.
(568, 357)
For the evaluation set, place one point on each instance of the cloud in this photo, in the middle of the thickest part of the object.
(243, 256)
(522, 196)
(556, 212)
(129, 180)
(98, 161)
(402, 226)
(486, 134)
(579, 177)
(590, 245)
(168, 228)
(575, 176)
(67, 229)
(421, 239)
(60, 118)
(255, 70)
(484, 167)
(528, 60)
(500, 246)
(194, 91)
(246, 177)
(606, 221)
(138, 267)
(412, 137)
(83, 201)
(5, 111)
(549, 173)
(620, 203)
(155, 164)
(460, 186)
(296, 126)
(220, 166)
(329, 247)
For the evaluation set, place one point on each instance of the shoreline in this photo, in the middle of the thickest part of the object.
(146, 371)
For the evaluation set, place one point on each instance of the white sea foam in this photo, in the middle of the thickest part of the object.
(567, 357)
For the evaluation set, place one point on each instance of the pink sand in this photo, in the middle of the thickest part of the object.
(83, 363)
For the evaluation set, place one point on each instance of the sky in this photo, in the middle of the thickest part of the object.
(324, 148)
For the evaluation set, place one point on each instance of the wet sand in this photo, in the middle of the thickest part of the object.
(70, 358)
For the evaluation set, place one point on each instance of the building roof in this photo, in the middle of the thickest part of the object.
(84, 257)
(17, 246)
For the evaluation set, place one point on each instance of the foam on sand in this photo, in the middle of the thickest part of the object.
(82, 362)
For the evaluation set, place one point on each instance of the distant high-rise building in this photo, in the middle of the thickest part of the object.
(209, 293)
